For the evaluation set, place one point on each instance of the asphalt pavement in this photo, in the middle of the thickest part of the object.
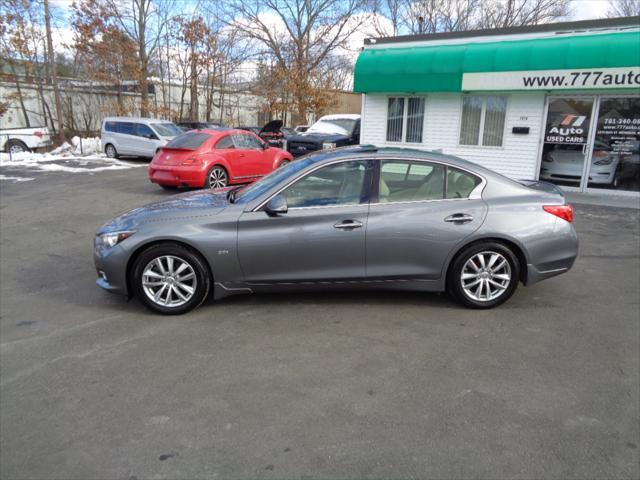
(330, 385)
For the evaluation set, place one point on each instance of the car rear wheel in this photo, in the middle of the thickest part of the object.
(484, 275)
(111, 151)
(217, 177)
(16, 146)
(170, 279)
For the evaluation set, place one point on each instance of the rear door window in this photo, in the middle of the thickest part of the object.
(405, 181)
(460, 184)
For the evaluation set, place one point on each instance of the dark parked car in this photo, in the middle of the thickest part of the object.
(271, 133)
(357, 217)
(330, 131)
(253, 129)
(191, 125)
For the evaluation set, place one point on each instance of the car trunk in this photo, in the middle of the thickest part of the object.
(172, 156)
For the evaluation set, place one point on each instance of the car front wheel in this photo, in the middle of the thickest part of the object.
(170, 279)
(16, 146)
(484, 275)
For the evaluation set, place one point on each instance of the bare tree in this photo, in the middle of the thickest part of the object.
(52, 65)
(433, 16)
(623, 8)
(300, 35)
(514, 13)
(143, 21)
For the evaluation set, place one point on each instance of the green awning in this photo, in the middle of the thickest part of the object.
(440, 68)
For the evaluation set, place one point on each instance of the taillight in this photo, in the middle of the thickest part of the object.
(38, 133)
(565, 212)
(192, 161)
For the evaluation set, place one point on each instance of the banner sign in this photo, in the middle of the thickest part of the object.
(567, 128)
(581, 79)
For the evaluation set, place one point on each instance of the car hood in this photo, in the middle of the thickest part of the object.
(273, 126)
(318, 137)
(186, 205)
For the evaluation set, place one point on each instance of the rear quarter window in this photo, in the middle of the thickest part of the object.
(190, 141)
(225, 143)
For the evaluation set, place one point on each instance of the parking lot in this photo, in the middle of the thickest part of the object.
(331, 385)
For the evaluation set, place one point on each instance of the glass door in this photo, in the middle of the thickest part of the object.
(615, 158)
(567, 139)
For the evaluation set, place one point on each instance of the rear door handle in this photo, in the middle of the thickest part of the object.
(348, 224)
(459, 218)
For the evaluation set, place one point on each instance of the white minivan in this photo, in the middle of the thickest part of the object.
(140, 137)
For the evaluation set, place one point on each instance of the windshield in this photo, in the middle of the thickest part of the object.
(166, 129)
(342, 126)
(266, 183)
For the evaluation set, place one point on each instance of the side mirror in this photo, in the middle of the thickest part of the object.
(277, 206)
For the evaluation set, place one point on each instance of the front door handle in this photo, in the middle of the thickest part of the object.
(348, 224)
(459, 218)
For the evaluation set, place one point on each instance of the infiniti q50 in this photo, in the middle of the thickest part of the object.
(357, 217)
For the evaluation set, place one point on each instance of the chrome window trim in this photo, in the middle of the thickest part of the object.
(476, 193)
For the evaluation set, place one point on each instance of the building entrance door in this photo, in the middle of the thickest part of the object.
(568, 140)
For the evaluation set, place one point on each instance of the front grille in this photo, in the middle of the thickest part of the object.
(302, 148)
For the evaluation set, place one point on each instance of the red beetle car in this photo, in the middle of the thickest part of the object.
(214, 158)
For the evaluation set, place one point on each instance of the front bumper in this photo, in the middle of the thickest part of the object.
(178, 176)
(111, 265)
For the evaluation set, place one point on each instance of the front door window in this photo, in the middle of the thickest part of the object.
(615, 161)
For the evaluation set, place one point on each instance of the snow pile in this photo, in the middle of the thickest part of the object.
(79, 146)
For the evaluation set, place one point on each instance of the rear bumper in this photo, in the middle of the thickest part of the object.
(554, 255)
(177, 176)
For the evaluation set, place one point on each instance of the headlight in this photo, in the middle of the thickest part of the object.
(327, 146)
(112, 239)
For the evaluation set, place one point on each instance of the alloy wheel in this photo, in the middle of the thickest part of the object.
(169, 281)
(217, 178)
(485, 276)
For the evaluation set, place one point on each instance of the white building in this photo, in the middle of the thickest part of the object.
(558, 102)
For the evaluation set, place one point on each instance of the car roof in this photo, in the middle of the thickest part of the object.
(136, 119)
(378, 153)
(341, 116)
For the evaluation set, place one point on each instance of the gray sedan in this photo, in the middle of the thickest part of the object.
(358, 217)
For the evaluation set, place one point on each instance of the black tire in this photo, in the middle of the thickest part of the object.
(201, 284)
(111, 151)
(16, 146)
(211, 183)
(464, 296)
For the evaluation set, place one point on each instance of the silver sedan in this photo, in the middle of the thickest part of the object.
(358, 217)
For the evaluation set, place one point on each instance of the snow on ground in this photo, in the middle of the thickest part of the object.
(80, 156)
(15, 179)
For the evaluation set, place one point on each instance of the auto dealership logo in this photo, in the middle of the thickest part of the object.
(570, 129)
(573, 120)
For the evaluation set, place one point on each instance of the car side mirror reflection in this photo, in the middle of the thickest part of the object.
(276, 206)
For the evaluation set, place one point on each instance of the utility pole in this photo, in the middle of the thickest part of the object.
(54, 76)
